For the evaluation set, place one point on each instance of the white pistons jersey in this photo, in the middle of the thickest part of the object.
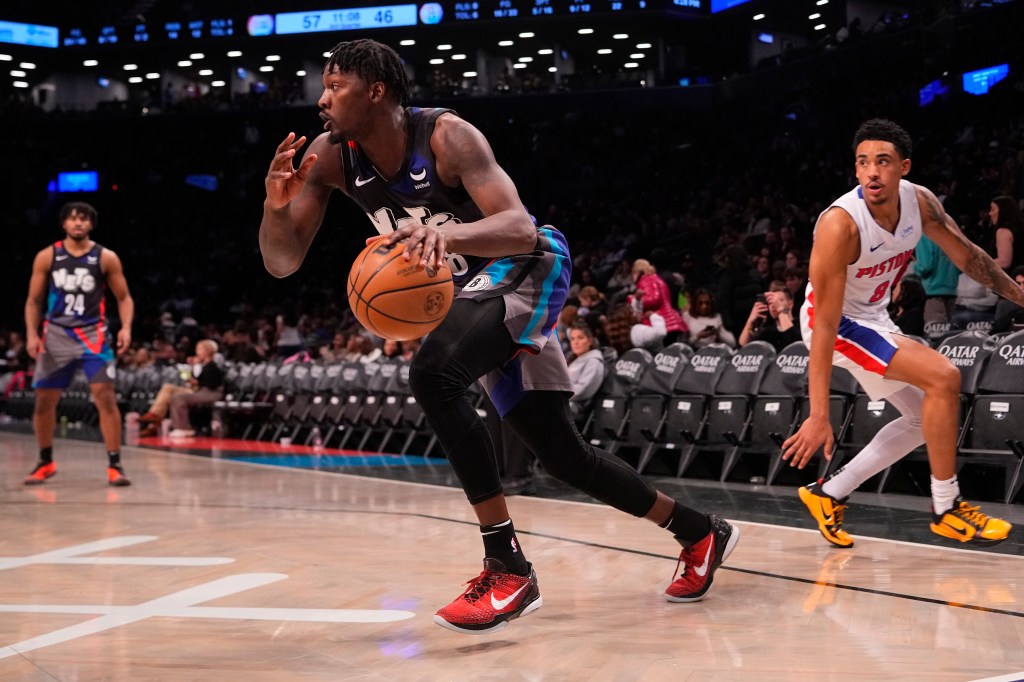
(884, 256)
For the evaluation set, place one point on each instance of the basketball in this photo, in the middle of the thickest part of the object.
(395, 298)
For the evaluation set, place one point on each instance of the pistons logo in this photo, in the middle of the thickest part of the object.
(433, 304)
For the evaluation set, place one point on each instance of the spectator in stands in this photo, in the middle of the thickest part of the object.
(907, 309)
(705, 323)
(763, 268)
(593, 306)
(654, 298)
(621, 281)
(391, 349)
(204, 387)
(939, 278)
(1009, 315)
(288, 339)
(409, 349)
(335, 352)
(240, 348)
(736, 287)
(772, 319)
(975, 305)
(586, 369)
(796, 282)
(1007, 242)
(618, 326)
(566, 318)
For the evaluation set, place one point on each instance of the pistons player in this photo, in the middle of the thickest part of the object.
(68, 286)
(863, 244)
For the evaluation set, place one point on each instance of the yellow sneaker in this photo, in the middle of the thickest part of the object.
(828, 512)
(966, 523)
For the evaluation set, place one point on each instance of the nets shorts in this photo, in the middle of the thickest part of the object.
(65, 349)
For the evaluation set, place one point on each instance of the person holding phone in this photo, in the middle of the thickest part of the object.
(771, 319)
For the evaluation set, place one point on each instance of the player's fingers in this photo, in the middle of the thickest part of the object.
(440, 249)
(305, 167)
(286, 143)
(279, 175)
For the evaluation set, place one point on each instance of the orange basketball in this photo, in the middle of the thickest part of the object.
(395, 298)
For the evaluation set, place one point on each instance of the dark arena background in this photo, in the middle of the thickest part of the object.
(307, 525)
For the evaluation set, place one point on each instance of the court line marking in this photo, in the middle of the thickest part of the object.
(182, 604)
(72, 555)
(871, 538)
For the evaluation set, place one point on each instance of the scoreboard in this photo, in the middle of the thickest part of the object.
(369, 16)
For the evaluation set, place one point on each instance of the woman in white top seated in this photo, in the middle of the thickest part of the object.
(704, 322)
(586, 368)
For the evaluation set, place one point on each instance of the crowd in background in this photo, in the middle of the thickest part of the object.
(687, 221)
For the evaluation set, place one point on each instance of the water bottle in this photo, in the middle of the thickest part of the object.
(131, 428)
(63, 426)
(216, 428)
(317, 441)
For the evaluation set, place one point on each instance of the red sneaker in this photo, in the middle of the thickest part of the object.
(115, 477)
(701, 561)
(492, 599)
(41, 473)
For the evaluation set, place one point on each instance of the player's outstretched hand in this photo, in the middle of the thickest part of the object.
(812, 434)
(284, 181)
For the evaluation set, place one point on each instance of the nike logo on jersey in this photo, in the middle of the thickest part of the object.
(91, 260)
(61, 258)
(418, 176)
(703, 568)
(500, 604)
(875, 248)
(360, 182)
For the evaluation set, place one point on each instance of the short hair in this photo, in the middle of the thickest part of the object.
(373, 62)
(886, 131)
(81, 208)
(582, 326)
(1017, 272)
(211, 344)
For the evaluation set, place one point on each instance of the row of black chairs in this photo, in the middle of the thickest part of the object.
(678, 404)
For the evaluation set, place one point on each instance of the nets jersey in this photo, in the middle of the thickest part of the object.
(77, 288)
(884, 256)
(415, 196)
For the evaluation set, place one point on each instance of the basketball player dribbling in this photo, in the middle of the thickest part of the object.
(68, 285)
(863, 244)
(428, 177)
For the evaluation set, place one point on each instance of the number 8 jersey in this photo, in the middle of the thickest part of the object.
(884, 256)
(76, 296)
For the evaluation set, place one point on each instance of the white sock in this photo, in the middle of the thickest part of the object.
(944, 493)
(893, 442)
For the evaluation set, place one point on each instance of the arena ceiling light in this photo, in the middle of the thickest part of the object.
(18, 73)
(218, 84)
(196, 55)
(90, 62)
(135, 79)
(552, 69)
(458, 57)
(604, 50)
(585, 31)
(469, 74)
(27, 65)
(643, 46)
(184, 63)
(526, 60)
(130, 67)
(152, 75)
(758, 17)
(620, 36)
(5, 57)
(407, 42)
(436, 61)
(205, 72)
(546, 50)
(816, 15)
(519, 65)
(505, 43)
(20, 84)
(234, 53)
(273, 57)
(300, 73)
(444, 46)
(631, 65)
(637, 55)
(819, 27)
(527, 34)
(821, 2)
(266, 68)
(327, 54)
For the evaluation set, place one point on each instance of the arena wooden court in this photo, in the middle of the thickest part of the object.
(211, 569)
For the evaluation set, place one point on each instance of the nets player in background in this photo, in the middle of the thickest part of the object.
(863, 244)
(429, 177)
(66, 294)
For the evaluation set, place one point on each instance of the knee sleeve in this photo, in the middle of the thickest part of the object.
(908, 401)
